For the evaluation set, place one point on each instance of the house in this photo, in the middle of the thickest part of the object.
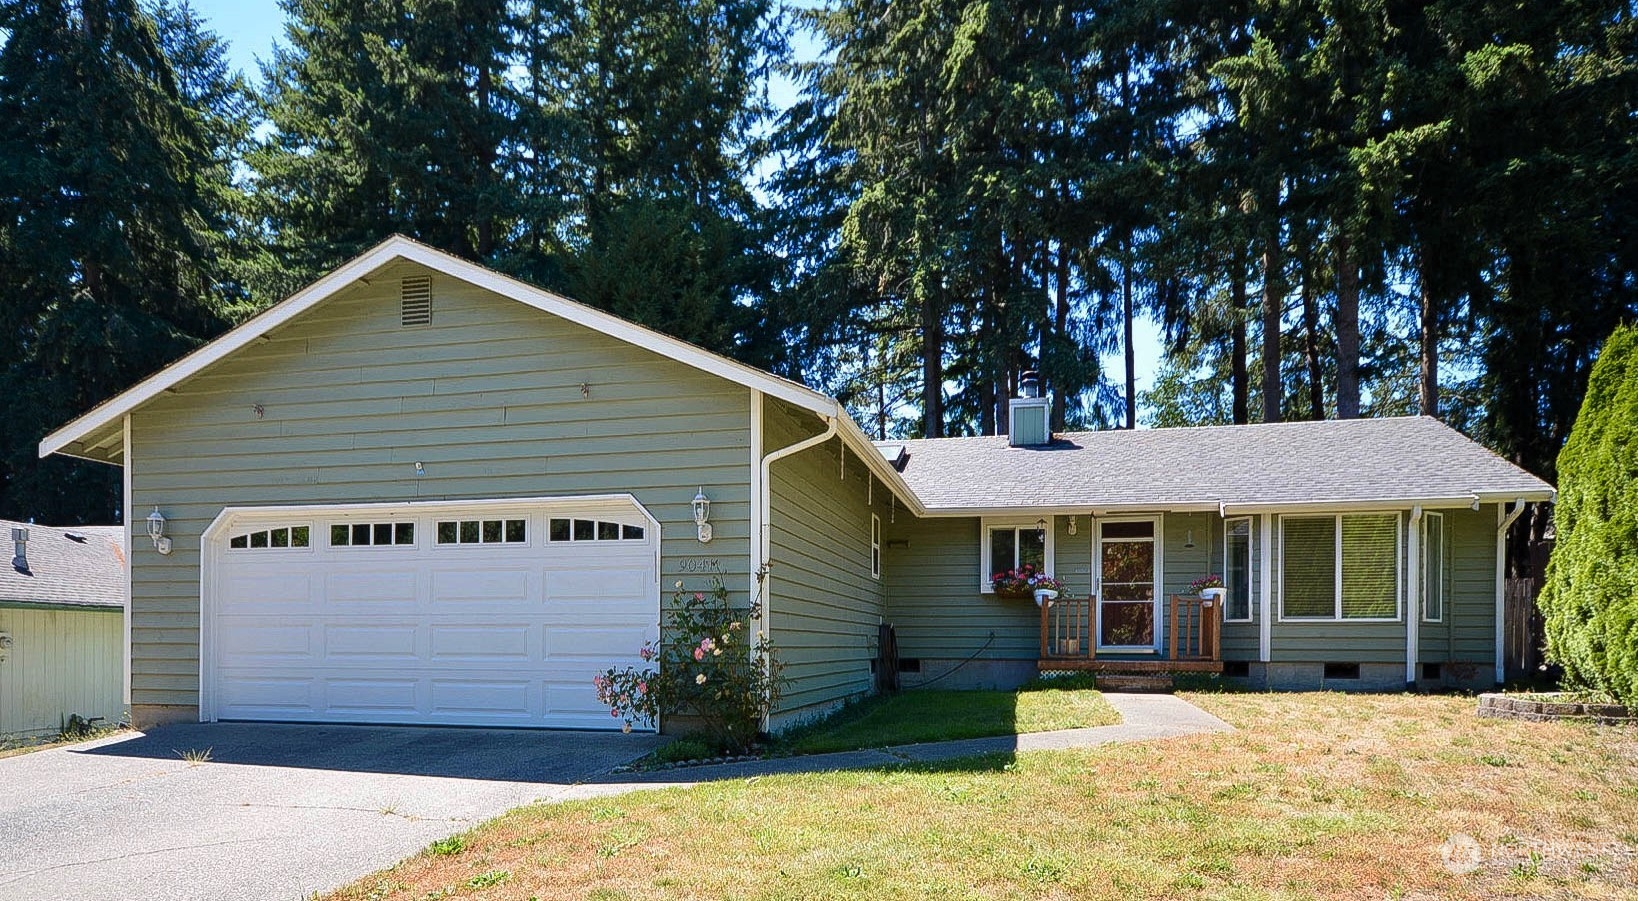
(419, 491)
(62, 627)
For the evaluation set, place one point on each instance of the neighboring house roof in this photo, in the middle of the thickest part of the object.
(1399, 461)
(98, 435)
(67, 567)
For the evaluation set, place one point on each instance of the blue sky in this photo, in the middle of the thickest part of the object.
(250, 28)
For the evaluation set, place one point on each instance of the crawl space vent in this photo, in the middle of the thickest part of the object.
(415, 295)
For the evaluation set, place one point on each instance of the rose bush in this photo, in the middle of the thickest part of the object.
(707, 665)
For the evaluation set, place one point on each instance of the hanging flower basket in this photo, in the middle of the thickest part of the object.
(1021, 584)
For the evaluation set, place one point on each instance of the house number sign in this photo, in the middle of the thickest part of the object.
(699, 565)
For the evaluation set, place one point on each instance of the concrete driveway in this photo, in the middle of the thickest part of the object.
(276, 812)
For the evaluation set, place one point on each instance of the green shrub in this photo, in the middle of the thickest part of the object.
(1590, 600)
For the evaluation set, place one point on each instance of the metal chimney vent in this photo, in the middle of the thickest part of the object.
(415, 300)
(19, 562)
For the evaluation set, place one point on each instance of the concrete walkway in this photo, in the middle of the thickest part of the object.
(1143, 717)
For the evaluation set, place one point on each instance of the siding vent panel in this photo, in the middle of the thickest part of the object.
(415, 299)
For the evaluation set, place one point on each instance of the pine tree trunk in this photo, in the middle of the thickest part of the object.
(1311, 349)
(1239, 375)
(1429, 370)
(1060, 324)
(932, 367)
(1347, 326)
(1127, 314)
(1273, 306)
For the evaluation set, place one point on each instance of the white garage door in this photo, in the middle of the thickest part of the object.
(460, 614)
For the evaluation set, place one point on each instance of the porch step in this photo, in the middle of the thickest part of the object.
(1145, 683)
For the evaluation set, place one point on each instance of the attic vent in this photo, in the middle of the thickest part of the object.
(415, 295)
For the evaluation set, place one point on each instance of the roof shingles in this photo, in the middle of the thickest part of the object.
(83, 571)
(1335, 461)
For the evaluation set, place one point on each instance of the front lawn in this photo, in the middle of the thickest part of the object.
(1317, 796)
(927, 715)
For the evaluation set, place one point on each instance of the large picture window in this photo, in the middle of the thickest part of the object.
(1011, 546)
(1339, 567)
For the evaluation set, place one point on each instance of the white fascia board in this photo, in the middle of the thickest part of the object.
(1069, 510)
(1349, 506)
(855, 439)
(399, 247)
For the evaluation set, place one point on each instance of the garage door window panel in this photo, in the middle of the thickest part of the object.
(372, 534)
(564, 529)
(275, 538)
(482, 531)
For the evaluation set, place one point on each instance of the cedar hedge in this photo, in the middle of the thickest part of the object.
(1590, 599)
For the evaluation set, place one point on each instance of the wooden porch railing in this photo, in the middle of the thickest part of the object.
(1067, 629)
(1196, 631)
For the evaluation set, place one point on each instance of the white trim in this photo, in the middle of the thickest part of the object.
(1504, 522)
(757, 491)
(1078, 510)
(1265, 634)
(399, 247)
(212, 551)
(1377, 505)
(1337, 617)
(1014, 521)
(1159, 607)
(1413, 594)
(1251, 532)
(130, 566)
(875, 547)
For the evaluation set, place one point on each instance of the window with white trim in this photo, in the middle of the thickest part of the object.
(1434, 567)
(1237, 569)
(1340, 567)
(281, 537)
(875, 546)
(371, 534)
(1010, 546)
(483, 531)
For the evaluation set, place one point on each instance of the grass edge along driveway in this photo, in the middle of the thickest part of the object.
(1317, 795)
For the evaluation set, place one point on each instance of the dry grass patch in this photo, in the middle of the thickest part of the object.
(16, 747)
(1318, 796)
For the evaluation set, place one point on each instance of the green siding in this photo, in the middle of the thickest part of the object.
(488, 396)
(825, 606)
(933, 599)
(1468, 632)
(60, 662)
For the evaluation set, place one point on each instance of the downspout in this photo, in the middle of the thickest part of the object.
(765, 509)
(1505, 520)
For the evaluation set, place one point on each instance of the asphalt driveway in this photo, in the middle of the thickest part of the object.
(275, 812)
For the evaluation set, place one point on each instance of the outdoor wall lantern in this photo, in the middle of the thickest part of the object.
(1040, 529)
(156, 531)
(702, 515)
(1188, 539)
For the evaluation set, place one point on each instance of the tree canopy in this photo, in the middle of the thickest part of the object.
(1327, 209)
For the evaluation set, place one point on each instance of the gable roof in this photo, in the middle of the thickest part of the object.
(98, 435)
(67, 567)
(1394, 462)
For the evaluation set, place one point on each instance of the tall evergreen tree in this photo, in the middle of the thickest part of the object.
(113, 202)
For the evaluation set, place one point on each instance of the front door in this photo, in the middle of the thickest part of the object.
(1128, 584)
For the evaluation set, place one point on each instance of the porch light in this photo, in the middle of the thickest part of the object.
(156, 531)
(1040, 529)
(1188, 538)
(702, 515)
